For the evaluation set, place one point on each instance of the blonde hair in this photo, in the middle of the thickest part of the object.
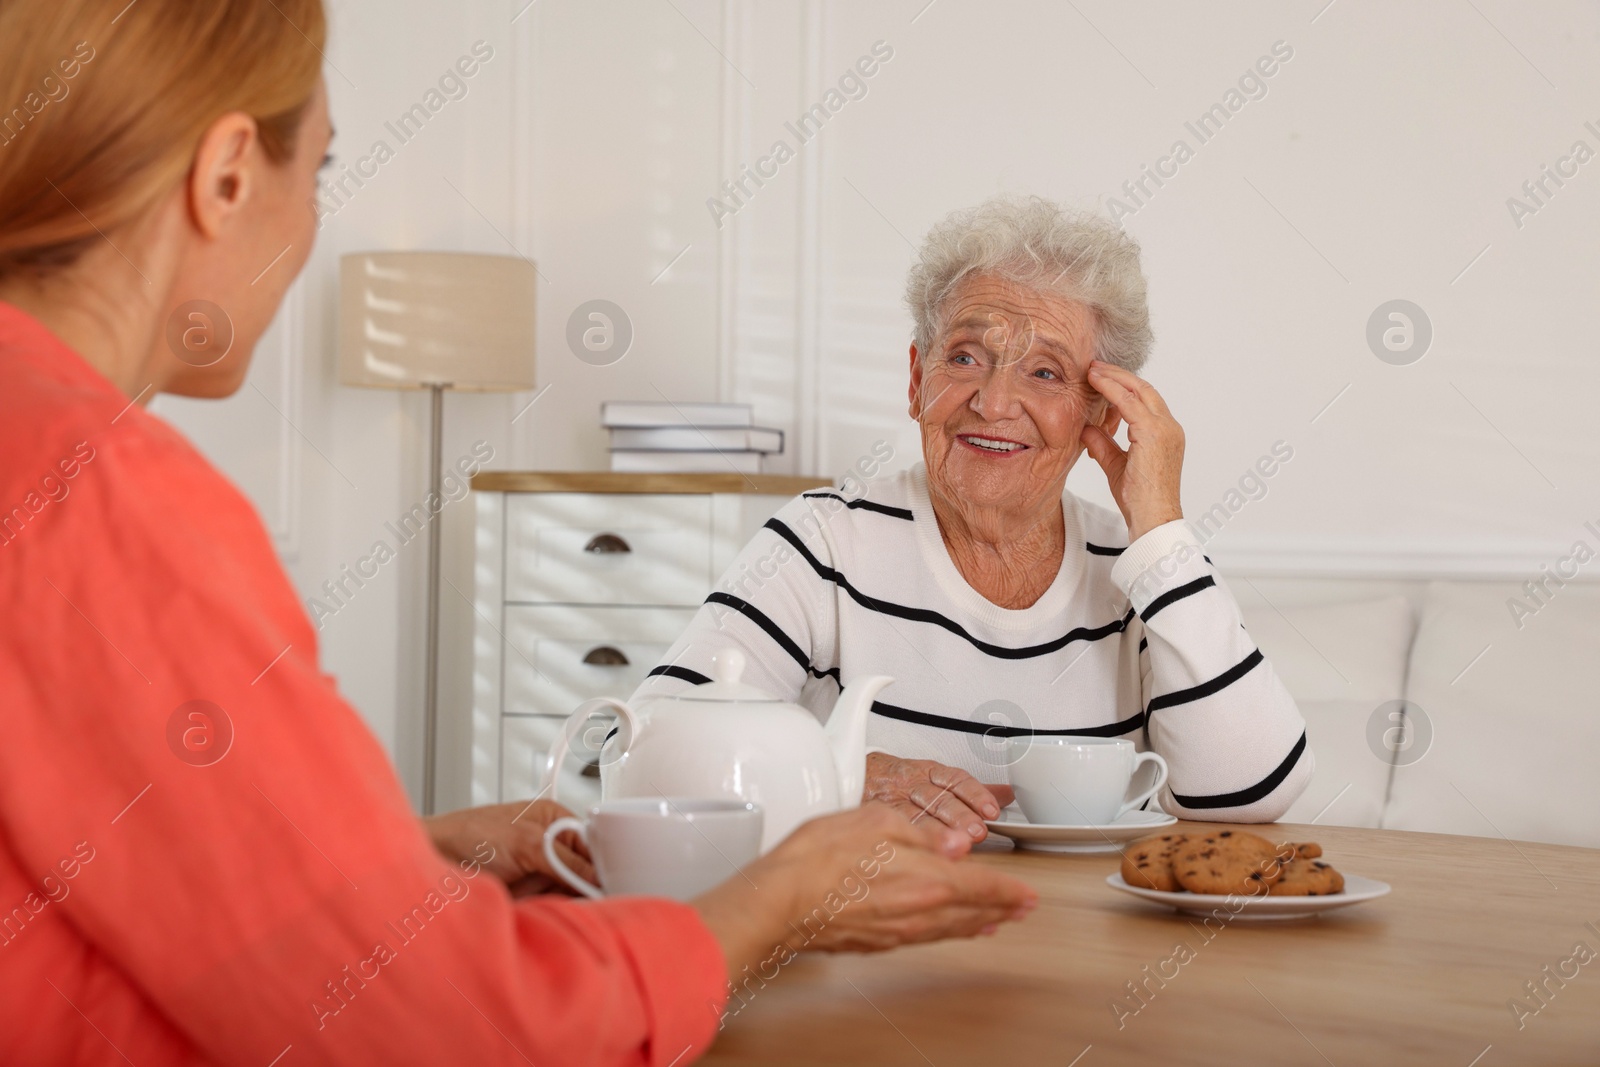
(103, 103)
(1039, 245)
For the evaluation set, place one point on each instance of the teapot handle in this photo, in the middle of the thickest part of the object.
(628, 723)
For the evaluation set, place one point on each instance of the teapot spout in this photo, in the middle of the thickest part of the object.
(847, 736)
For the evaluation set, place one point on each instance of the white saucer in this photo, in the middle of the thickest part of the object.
(1356, 890)
(1045, 837)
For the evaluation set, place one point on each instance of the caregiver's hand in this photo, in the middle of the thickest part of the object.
(1144, 479)
(918, 787)
(508, 839)
(859, 881)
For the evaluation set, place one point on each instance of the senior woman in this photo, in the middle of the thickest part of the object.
(1002, 604)
(274, 900)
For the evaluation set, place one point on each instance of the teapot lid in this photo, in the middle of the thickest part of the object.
(726, 668)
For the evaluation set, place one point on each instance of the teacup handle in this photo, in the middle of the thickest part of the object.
(555, 830)
(1161, 780)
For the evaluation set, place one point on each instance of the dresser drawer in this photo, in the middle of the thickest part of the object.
(608, 548)
(525, 741)
(560, 655)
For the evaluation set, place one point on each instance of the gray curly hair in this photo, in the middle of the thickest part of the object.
(1037, 244)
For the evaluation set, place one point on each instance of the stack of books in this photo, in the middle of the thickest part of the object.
(649, 437)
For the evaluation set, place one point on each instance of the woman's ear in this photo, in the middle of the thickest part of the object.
(1109, 419)
(914, 392)
(221, 180)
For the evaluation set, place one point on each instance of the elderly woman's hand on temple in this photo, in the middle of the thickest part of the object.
(918, 787)
(1144, 478)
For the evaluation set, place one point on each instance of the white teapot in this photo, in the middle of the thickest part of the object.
(725, 738)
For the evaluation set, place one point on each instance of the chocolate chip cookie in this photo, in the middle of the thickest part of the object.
(1147, 863)
(1227, 861)
(1307, 877)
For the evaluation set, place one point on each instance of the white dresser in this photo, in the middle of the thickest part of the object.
(582, 581)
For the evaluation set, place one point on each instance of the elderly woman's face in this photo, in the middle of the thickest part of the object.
(1004, 395)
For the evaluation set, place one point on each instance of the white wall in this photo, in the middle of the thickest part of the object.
(1377, 166)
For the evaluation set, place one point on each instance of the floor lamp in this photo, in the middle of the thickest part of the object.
(435, 321)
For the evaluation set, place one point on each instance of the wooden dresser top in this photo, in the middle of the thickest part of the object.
(609, 482)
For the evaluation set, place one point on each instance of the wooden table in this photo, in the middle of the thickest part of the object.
(1422, 976)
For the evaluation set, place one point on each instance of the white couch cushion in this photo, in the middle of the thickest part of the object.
(1341, 662)
(1515, 737)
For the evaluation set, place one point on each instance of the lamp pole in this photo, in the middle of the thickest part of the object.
(430, 692)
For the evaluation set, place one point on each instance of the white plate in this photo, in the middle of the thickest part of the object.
(1356, 890)
(1044, 837)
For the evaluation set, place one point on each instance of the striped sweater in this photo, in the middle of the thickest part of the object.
(1138, 641)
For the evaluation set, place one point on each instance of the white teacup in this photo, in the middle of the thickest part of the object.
(1078, 781)
(660, 846)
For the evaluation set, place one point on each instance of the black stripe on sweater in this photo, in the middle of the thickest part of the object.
(1254, 793)
(1205, 689)
(672, 670)
(774, 631)
(900, 611)
(865, 505)
(1101, 550)
(966, 726)
(1187, 589)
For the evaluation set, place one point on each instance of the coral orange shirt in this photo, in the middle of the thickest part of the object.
(279, 905)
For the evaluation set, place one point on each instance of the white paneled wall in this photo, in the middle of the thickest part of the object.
(1377, 165)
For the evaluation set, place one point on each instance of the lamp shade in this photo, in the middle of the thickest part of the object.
(410, 320)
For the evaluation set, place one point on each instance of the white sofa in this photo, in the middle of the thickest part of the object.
(1514, 713)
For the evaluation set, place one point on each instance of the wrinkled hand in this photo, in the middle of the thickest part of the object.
(919, 787)
(1144, 479)
(859, 881)
(508, 840)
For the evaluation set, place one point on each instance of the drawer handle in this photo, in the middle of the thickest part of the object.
(607, 542)
(605, 656)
